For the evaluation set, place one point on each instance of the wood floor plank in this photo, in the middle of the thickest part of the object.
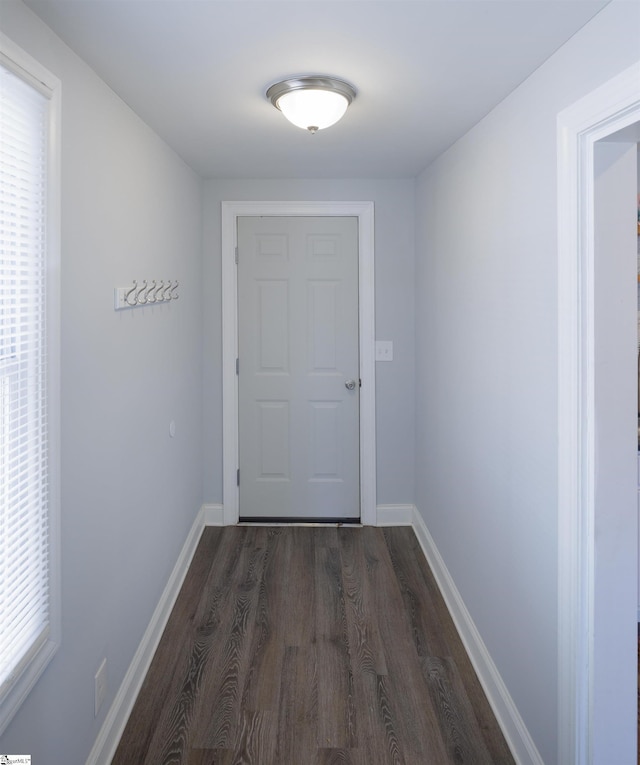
(367, 653)
(174, 734)
(171, 673)
(218, 707)
(407, 556)
(377, 739)
(410, 705)
(459, 726)
(257, 738)
(336, 713)
(299, 588)
(336, 757)
(261, 691)
(429, 637)
(209, 757)
(392, 746)
(297, 739)
(460, 731)
(310, 646)
(326, 536)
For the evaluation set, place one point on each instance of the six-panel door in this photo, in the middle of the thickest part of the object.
(298, 368)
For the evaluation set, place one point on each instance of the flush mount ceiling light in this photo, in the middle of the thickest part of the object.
(312, 103)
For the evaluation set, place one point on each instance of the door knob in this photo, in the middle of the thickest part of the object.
(350, 385)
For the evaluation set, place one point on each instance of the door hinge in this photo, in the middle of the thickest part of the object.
(237, 366)
(360, 381)
(237, 256)
(238, 477)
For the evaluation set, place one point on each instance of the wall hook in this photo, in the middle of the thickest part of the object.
(157, 295)
(142, 289)
(133, 302)
(146, 292)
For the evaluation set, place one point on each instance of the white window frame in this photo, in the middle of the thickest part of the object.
(32, 72)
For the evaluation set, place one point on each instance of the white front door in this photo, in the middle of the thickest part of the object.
(298, 368)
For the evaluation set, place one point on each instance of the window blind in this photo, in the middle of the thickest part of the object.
(24, 564)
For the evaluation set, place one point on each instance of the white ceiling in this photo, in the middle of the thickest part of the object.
(425, 71)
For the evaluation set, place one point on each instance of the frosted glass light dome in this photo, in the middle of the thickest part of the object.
(312, 103)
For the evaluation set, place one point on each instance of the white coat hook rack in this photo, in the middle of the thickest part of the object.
(145, 293)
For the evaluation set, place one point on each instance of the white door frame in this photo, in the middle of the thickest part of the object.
(363, 211)
(612, 107)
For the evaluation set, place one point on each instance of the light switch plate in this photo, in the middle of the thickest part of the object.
(384, 350)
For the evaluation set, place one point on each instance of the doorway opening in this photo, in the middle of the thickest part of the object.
(586, 700)
(363, 213)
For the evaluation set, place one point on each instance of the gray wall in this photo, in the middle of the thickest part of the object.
(394, 258)
(486, 347)
(130, 209)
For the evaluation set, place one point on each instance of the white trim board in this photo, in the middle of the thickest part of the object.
(364, 212)
(213, 515)
(513, 728)
(608, 109)
(106, 743)
(395, 515)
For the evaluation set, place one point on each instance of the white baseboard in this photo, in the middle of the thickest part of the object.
(515, 731)
(107, 741)
(213, 515)
(394, 515)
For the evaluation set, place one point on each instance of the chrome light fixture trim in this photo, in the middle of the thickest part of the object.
(279, 92)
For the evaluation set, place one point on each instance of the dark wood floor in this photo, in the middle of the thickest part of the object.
(310, 646)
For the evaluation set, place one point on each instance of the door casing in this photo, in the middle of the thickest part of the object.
(364, 212)
(611, 107)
